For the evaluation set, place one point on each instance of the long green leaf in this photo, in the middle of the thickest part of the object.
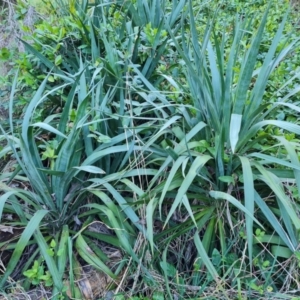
(235, 202)
(51, 265)
(273, 220)
(235, 126)
(90, 257)
(248, 68)
(249, 133)
(48, 127)
(262, 78)
(150, 209)
(63, 251)
(31, 227)
(274, 183)
(197, 164)
(42, 58)
(249, 202)
(204, 257)
(170, 178)
(295, 165)
(180, 148)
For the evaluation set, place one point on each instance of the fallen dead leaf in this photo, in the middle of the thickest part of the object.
(4, 228)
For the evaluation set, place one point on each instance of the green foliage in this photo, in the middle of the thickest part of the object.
(172, 142)
(37, 275)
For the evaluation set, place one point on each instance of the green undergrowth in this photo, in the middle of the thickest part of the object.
(151, 151)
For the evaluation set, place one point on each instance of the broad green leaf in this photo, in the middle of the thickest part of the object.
(126, 208)
(215, 74)
(90, 257)
(204, 257)
(235, 126)
(283, 252)
(187, 205)
(295, 164)
(117, 211)
(268, 239)
(97, 250)
(133, 186)
(224, 196)
(249, 202)
(209, 234)
(58, 60)
(118, 227)
(90, 169)
(71, 269)
(3, 199)
(49, 128)
(62, 251)
(150, 209)
(227, 179)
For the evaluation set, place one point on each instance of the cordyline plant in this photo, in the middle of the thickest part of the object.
(88, 168)
(215, 169)
(53, 205)
(120, 153)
